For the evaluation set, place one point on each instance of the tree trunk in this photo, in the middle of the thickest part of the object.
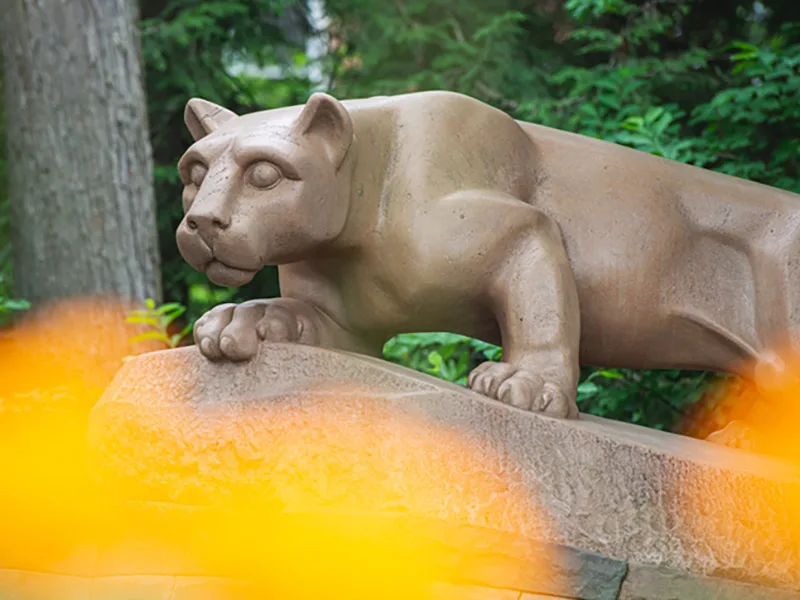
(80, 172)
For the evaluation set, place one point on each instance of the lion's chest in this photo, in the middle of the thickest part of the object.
(396, 293)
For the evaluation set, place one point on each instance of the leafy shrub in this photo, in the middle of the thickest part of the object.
(445, 355)
(9, 307)
(159, 321)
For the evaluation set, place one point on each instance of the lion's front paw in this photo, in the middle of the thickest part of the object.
(523, 389)
(234, 331)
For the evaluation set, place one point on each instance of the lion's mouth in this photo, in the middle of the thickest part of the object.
(227, 275)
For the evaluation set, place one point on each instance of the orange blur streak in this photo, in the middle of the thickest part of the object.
(341, 520)
(763, 417)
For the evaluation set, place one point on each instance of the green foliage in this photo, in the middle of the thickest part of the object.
(716, 85)
(190, 49)
(159, 322)
(732, 108)
(9, 307)
(444, 355)
(394, 47)
(653, 398)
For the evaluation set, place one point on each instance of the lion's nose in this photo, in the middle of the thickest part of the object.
(206, 223)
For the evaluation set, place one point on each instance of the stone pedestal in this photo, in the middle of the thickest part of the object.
(513, 504)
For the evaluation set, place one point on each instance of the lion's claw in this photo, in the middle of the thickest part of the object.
(234, 332)
(522, 388)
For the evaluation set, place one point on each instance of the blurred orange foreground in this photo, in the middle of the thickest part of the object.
(764, 416)
(326, 530)
(761, 417)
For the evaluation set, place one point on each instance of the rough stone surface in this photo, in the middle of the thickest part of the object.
(628, 493)
(649, 583)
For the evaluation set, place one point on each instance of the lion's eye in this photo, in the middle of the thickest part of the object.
(262, 175)
(197, 173)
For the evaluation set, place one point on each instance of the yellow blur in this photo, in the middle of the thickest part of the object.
(330, 529)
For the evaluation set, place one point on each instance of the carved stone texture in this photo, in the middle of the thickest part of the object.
(435, 212)
(648, 583)
(177, 428)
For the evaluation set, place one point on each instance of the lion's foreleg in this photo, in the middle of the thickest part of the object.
(535, 301)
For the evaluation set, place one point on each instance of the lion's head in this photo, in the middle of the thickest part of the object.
(264, 188)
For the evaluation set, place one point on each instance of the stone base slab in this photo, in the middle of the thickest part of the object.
(613, 510)
(176, 427)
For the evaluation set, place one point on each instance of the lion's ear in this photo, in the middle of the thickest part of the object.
(327, 118)
(203, 117)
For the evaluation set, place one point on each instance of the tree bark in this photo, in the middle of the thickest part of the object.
(80, 164)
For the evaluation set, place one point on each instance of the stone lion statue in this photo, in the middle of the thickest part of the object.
(435, 212)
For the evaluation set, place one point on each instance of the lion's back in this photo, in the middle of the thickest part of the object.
(448, 142)
(668, 258)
